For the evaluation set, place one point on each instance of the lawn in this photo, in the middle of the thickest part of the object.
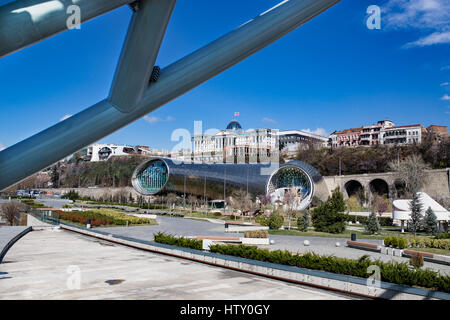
(385, 231)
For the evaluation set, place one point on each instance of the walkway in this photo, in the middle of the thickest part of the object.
(44, 265)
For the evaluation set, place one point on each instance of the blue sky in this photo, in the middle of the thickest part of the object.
(332, 73)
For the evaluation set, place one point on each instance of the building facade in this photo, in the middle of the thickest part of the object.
(235, 145)
(102, 152)
(219, 181)
(385, 132)
(400, 135)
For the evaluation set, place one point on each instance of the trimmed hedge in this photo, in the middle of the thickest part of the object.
(393, 272)
(402, 243)
(384, 221)
(161, 237)
(444, 235)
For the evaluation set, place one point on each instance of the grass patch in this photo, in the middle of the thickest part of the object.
(386, 231)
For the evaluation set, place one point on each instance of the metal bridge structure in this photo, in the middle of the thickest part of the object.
(132, 95)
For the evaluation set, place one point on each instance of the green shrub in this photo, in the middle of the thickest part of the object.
(384, 221)
(329, 216)
(262, 220)
(303, 221)
(394, 242)
(71, 195)
(392, 271)
(372, 224)
(416, 260)
(444, 235)
(387, 241)
(161, 237)
(430, 243)
(275, 221)
(402, 243)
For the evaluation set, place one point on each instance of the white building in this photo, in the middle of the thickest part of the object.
(402, 210)
(235, 145)
(102, 152)
(399, 135)
(290, 141)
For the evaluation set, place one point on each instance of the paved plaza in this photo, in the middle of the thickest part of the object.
(45, 264)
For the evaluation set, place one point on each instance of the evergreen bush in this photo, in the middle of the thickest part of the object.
(275, 221)
(330, 216)
(372, 225)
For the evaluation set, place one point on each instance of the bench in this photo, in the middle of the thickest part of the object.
(363, 246)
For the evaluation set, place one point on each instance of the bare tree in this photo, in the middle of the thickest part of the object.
(411, 171)
(380, 204)
(240, 200)
(10, 211)
(192, 201)
(291, 199)
(171, 199)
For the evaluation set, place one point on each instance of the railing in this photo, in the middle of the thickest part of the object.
(46, 216)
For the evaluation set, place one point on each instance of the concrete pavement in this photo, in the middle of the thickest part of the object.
(46, 264)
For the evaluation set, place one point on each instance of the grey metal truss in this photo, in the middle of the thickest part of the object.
(132, 95)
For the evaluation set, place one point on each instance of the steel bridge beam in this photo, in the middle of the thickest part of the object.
(49, 146)
(25, 22)
(145, 34)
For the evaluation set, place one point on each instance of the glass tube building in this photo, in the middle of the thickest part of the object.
(218, 181)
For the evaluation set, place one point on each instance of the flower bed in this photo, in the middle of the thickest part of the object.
(102, 217)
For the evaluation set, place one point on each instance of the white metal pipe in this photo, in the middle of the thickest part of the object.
(25, 22)
(141, 47)
(47, 147)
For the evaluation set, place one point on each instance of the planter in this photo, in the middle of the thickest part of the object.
(257, 241)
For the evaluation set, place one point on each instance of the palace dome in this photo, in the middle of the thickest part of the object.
(234, 125)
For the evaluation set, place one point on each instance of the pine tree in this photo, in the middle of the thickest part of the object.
(303, 221)
(373, 225)
(330, 216)
(415, 221)
(430, 221)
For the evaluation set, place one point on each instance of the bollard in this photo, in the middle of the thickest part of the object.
(88, 223)
(353, 236)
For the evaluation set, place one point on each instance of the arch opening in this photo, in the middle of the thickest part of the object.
(379, 187)
(353, 188)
